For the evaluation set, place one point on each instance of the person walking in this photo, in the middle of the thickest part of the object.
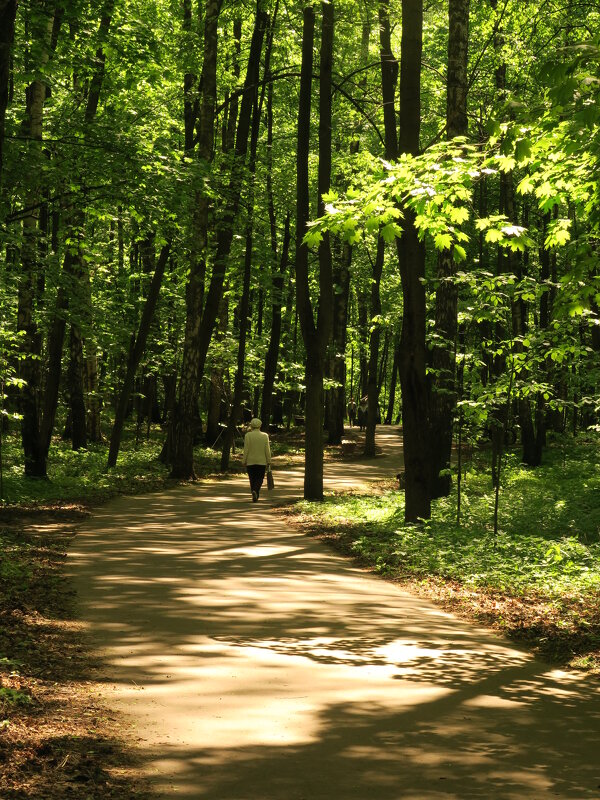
(257, 456)
(363, 411)
(352, 412)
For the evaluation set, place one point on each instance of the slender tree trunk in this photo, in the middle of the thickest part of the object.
(136, 355)
(31, 270)
(8, 13)
(411, 254)
(201, 317)
(389, 417)
(216, 391)
(362, 307)
(443, 395)
(73, 274)
(75, 388)
(337, 395)
(271, 357)
(238, 389)
(316, 337)
(372, 386)
(180, 449)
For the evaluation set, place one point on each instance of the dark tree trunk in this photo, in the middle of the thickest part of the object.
(76, 396)
(316, 337)
(238, 389)
(8, 12)
(411, 254)
(200, 322)
(71, 277)
(31, 269)
(215, 413)
(271, 357)
(389, 417)
(180, 443)
(136, 355)
(337, 395)
(443, 394)
(362, 307)
(190, 99)
(372, 386)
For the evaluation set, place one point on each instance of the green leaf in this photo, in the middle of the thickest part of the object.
(460, 254)
(443, 241)
(390, 232)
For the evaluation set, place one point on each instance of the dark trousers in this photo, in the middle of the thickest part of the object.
(256, 473)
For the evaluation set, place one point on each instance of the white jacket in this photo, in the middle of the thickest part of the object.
(256, 448)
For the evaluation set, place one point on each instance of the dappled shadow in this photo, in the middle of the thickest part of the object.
(262, 665)
(458, 744)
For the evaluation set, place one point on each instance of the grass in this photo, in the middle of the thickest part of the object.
(82, 477)
(541, 573)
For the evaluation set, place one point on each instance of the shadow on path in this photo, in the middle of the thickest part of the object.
(259, 665)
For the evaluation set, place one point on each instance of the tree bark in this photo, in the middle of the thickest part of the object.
(8, 13)
(201, 316)
(30, 396)
(315, 336)
(238, 388)
(443, 386)
(136, 354)
(372, 386)
(75, 388)
(271, 357)
(389, 417)
(411, 255)
(337, 395)
(180, 446)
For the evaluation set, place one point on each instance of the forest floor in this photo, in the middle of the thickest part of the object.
(57, 742)
(66, 728)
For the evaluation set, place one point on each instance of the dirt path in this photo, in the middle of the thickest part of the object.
(256, 664)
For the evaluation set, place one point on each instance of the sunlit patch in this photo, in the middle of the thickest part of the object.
(255, 551)
(494, 701)
(399, 652)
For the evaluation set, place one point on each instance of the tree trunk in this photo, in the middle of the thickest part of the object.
(30, 400)
(316, 337)
(443, 394)
(181, 433)
(337, 395)
(72, 275)
(271, 357)
(76, 396)
(411, 255)
(362, 306)
(238, 389)
(8, 13)
(201, 317)
(389, 417)
(372, 387)
(136, 355)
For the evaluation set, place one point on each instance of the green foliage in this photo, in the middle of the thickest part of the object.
(81, 476)
(549, 529)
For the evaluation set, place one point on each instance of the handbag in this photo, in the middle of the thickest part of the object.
(270, 481)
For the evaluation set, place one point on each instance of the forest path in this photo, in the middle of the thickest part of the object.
(256, 664)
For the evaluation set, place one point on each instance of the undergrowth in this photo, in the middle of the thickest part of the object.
(82, 477)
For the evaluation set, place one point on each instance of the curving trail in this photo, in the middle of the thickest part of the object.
(253, 663)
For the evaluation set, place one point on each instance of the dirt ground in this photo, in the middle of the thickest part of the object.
(57, 742)
(248, 661)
